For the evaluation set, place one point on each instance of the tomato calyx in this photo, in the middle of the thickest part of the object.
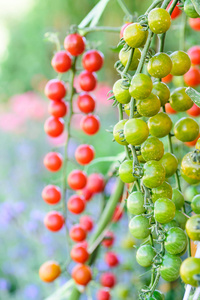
(196, 156)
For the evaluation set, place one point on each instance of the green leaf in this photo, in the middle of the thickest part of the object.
(196, 4)
(63, 292)
(194, 95)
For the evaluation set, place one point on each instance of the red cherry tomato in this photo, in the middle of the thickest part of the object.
(167, 79)
(87, 223)
(82, 274)
(54, 126)
(53, 161)
(90, 124)
(84, 154)
(74, 44)
(193, 143)
(79, 254)
(87, 81)
(61, 62)
(77, 180)
(118, 213)
(108, 279)
(86, 103)
(194, 111)
(92, 60)
(176, 11)
(55, 89)
(87, 194)
(192, 77)
(123, 28)
(96, 183)
(194, 54)
(109, 239)
(51, 194)
(77, 233)
(57, 109)
(103, 294)
(169, 109)
(111, 259)
(54, 221)
(76, 204)
(194, 23)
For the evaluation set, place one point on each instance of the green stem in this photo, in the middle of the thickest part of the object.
(132, 107)
(87, 30)
(153, 5)
(144, 52)
(172, 6)
(75, 295)
(124, 7)
(129, 61)
(182, 32)
(120, 110)
(166, 3)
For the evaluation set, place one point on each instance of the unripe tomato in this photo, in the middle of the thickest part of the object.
(111, 259)
(145, 255)
(92, 60)
(49, 271)
(176, 11)
(177, 198)
(103, 294)
(77, 180)
(123, 28)
(86, 103)
(186, 129)
(192, 143)
(135, 203)
(149, 106)
(87, 81)
(152, 149)
(74, 44)
(84, 154)
(54, 126)
(118, 132)
(82, 274)
(167, 79)
(158, 295)
(159, 20)
(141, 86)
(76, 204)
(109, 239)
(162, 91)
(53, 161)
(87, 223)
(189, 167)
(108, 279)
(195, 204)
(126, 171)
(189, 268)
(79, 254)
(51, 194)
(162, 191)
(61, 61)
(160, 125)
(57, 109)
(139, 227)
(118, 213)
(96, 183)
(179, 100)
(120, 92)
(194, 54)
(136, 131)
(159, 65)
(134, 35)
(77, 233)
(87, 194)
(90, 124)
(164, 210)
(169, 109)
(124, 56)
(170, 267)
(170, 163)
(55, 89)
(154, 174)
(169, 225)
(193, 228)
(180, 63)
(195, 23)
(180, 219)
(191, 78)
(194, 111)
(190, 10)
(176, 240)
(54, 221)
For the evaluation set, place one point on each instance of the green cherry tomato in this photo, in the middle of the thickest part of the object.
(124, 56)
(149, 106)
(170, 267)
(169, 225)
(158, 295)
(161, 90)
(177, 198)
(198, 144)
(126, 171)
(145, 255)
(136, 131)
(186, 129)
(152, 149)
(190, 192)
(170, 163)
(134, 35)
(195, 204)
(139, 227)
(159, 65)
(193, 228)
(141, 86)
(180, 219)
(162, 191)
(189, 179)
(189, 268)
(159, 20)
(121, 94)
(179, 100)
(190, 10)
(154, 174)
(189, 167)
(118, 132)
(160, 125)
(135, 203)
(176, 240)
(181, 63)
(164, 210)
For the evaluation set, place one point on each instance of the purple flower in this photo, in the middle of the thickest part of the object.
(31, 291)
(4, 284)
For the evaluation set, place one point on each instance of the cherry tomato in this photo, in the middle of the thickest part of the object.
(162, 191)
(170, 267)
(179, 100)
(195, 23)
(109, 239)
(176, 240)
(55, 89)
(74, 44)
(164, 210)
(124, 56)
(177, 198)
(103, 294)
(51, 194)
(86, 103)
(90, 124)
(53, 161)
(118, 132)
(152, 149)
(108, 279)
(139, 227)
(126, 171)
(145, 255)
(195, 204)
(92, 60)
(120, 92)
(169, 109)
(87, 194)
(192, 143)
(134, 35)
(61, 61)
(176, 11)
(77, 233)
(193, 228)
(180, 63)
(186, 129)
(87, 222)
(167, 79)
(54, 221)
(194, 111)
(159, 65)
(191, 78)
(118, 213)
(149, 106)
(49, 271)
(135, 203)
(194, 55)
(57, 109)
(154, 174)
(54, 126)
(84, 154)
(96, 183)
(87, 81)
(76, 204)
(169, 225)
(162, 91)
(141, 86)
(170, 163)
(136, 131)
(180, 219)
(79, 254)
(189, 268)
(123, 28)
(111, 259)
(160, 125)
(82, 274)
(159, 20)
(77, 180)
(190, 10)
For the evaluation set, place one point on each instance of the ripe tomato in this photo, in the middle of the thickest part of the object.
(170, 267)
(124, 56)
(108, 279)
(74, 44)
(87, 223)
(159, 20)
(149, 106)
(51, 194)
(192, 143)
(159, 65)
(160, 125)
(162, 91)
(193, 228)
(135, 203)
(170, 163)
(179, 100)
(195, 204)
(139, 227)
(111, 259)
(126, 171)
(136, 131)
(92, 60)
(176, 240)
(90, 124)
(194, 111)
(189, 268)
(134, 35)
(141, 86)
(77, 180)
(195, 23)
(77, 233)
(55, 89)
(190, 10)
(194, 55)
(79, 254)
(86, 103)
(118, 213)
(61, 61)
(87, 194)
(191, 78)
(54, 221)
(109, 239)
(169, 109)
(186, 129)
(181, 63)
(177, 198)
(118, 132)
(82, 274)
(57, 109)
(84, 154)
(145, 255)
(162, 191)
(54, 126)
(53, 161)
(167, 79)
(164, 210)
(87, 81)
(96, 183)
(120, 92)
(76, 204)
(123, 28)
(103, 294)
(154, 174)
(49, 271)
(152, 149)
(176, 11)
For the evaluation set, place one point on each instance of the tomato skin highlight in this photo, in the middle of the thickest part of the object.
(51, 194)
(92, 60)
(74, 44)
(55, 89)
(53, 161)
(84, 154)
(54, 126)
(90, 124)
(49, 271)
(61, 61)
(86, 103)
(54, 221)
(77, 180)
(87, 81)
